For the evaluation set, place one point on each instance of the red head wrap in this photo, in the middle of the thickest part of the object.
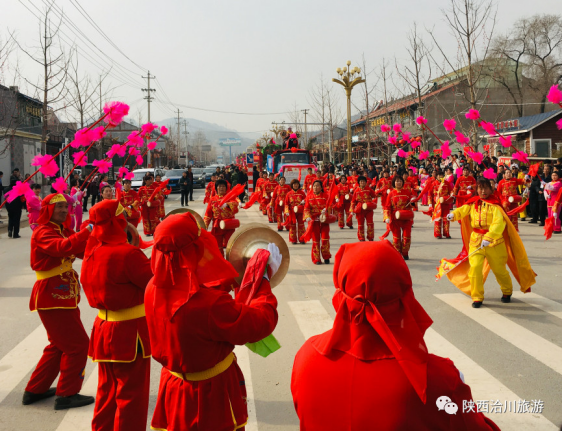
(378, 316)
(48, 207)
(109, 225)
(183, 258)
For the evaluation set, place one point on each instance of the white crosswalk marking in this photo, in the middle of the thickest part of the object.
(243, 360)
(545, 304)
(311, 316)
(485, 387)
(20, 360)
(537, 347)
(80, 419)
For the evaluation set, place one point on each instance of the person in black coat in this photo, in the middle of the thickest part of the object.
(185, 185)
(14, 209)
(190, 178)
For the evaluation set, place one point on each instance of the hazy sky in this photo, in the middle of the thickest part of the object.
(241, 56)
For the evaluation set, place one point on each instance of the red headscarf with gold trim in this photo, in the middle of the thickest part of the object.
(48, 207)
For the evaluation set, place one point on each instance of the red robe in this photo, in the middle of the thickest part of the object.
(215, 214)
(150, 214)
(314, 204)
(461, 190)
(343, 206)
(296, 222)
(130, 201)
(209, 191)
(401, 229)
(507, 189)
(308, 180)
(361, 196)
(384, 185)
(441, 190)
(278, 202)
(268, 187)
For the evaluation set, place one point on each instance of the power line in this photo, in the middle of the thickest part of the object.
(229, 112)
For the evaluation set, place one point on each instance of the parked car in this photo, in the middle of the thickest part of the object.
(198, 177)
(139, 174)
(173, 175)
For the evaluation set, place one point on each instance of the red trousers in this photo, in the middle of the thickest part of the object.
(134, 221)
(402, 235)
(66, 353)
(122, 398)
(362, 217)
(222, 236)
(320, 241)
(343, 212)
(441, 227)
(265, 203)
(296, 230)
(279, 217)
(514, 218)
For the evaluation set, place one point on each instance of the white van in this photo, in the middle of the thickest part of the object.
(136, 182)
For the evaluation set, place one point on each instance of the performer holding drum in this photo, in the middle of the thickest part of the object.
(222, 215)
(294, 210)
(314, 208)
(278, 201)
(362, 204)
(402, 216)
(343, 201)
(508, 190)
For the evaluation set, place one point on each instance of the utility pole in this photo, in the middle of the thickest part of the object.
(101, 104)
(305, 129)
(179, 135)
(149, 99)
(185, 123)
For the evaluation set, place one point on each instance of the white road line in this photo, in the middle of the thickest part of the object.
(15, 365)
(81, 419)
(485, 387)
(311, 316)
(537, 347)
(545, 304)
(243, 360)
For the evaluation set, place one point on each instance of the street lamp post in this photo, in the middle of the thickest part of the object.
(349, 78)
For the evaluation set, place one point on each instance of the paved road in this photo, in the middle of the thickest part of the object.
(507, 352)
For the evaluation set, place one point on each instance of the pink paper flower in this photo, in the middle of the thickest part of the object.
(505, 141)
(461, 139)
(424, 155)
(80, 159)
(415, 144)
(421, 120)
(82, 138)
(151, 145)
(116, 112)
(385, 128)
(20, 189)
(521, 156)
(98, 133)
(135, 140)
(133, 151)
(129, 176)
(445, 150)
(490, 174)
(148, 128)
(122, 172)
(407, 136)
(102, 165)
(397, 128)
(554, 95)
(49, 167)
(472, 114)
(449, 124)
(117, 150)
(140, 160)
(392, 140)
(402, 153)
(559, 124)
(164, 130)
(476, 156)
(60, 185)
(489, 128)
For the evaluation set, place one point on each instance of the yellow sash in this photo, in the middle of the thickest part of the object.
(221, 367)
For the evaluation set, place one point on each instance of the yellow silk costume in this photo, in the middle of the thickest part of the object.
(489, 222)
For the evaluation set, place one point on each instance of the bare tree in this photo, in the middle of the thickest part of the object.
(54, 63)
(334, 115)
(317, 101)
(385, 77)
(472, 23)
(8, 98)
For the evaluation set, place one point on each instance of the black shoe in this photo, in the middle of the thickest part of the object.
(447, 237)
(327, 261)
(506, 299)
(477, 304)
(439, 237)
(523, 219)
(533, 221)
(406, 257)
(541, 224)
(30, 397)
(557, 232)
(16, 236)
(10, 233)
(73, 401)
(318, 263)
(341, 227)
(294, 243)
(351, 227)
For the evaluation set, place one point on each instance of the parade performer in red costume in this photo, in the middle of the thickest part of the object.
(259, 191)
(377, 341)
(400, 203)
(352, 179)
(491, 241)
(268, 187)
(217, 212)
(383, 188)
(413, 182)
(150, 201)
(114, 276)
(465, 187)
(343, 202)
(295, 199)
(278, 201)
(194, 325)
(363, 203)
(55, 297)
(210, 189)
(329, 180)
(130, 201)
(440, 193)
(314, 207)
(163, 192)
(308, 180)
(509, 192)
(427, 189)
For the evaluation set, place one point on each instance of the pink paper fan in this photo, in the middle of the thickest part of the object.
(554, 95)
(449, 124)
(49, 167)
(151, 145)
(505, 141)
(164, 130)
(472, 114)
(490, 174)
(60, 185)
(80, 159)
(461, 139)
(116, 112)
(397, 128)
(424, 155)
(102, 165)
(521, 156)
(421, 120)
(20, 189)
